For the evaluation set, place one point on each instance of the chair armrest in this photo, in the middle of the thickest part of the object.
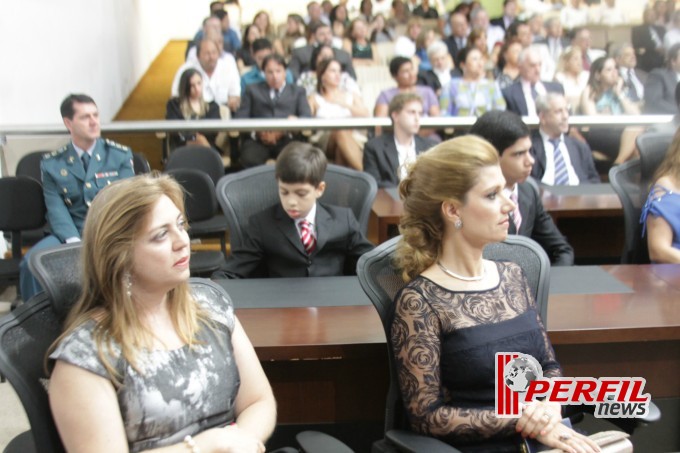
(410, 442)
(316, 441)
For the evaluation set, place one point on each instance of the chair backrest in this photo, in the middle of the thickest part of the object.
(141, 165)
(653, 147)
(625, 179)
(58, 272)
(250, 191)
(381, 282)
(200, 202)
(22, 207)
(25, 335)
(29, 165)
(199, 158)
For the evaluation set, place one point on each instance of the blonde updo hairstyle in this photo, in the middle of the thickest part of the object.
(446, 172)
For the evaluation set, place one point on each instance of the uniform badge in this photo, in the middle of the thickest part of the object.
(70, 159)
(63, 172)
(97, 157)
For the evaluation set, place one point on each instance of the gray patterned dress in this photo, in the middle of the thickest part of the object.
(178, 392)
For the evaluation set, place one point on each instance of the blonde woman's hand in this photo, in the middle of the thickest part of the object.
(230, 439)
(568, 440)
(538, 418)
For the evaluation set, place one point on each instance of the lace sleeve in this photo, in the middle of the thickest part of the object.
(416, 345)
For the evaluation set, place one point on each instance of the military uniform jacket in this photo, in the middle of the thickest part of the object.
(68, 190)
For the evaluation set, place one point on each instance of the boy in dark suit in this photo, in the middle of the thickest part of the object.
(510, 136)
(299, 237)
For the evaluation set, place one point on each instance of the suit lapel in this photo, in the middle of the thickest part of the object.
(75, 166)
(96, 161)
(539, 156)
(521, 102)
(391, 153)
(287, 227)
(323, 220)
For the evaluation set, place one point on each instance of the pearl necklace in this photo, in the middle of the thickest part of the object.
(450, 273)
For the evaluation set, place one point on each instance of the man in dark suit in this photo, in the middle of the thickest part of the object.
(460, 28)
(633, 78)
(386, 156)
(299, 237)
(648, 42)
(520, 97)
(660, 85)
(559, 159)
(509, 15)
(510, 136)
(300, 60)
(273, 98)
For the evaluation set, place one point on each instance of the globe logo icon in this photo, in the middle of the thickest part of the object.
(520, 371)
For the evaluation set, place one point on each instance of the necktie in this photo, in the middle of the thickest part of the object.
(86, 160)
(516, 215)
(307, 237)
(561, 174)
(277, 94)
(534, 92)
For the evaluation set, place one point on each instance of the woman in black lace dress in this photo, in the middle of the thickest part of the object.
(459, 309)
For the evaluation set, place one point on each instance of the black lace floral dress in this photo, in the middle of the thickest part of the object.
(445, 344)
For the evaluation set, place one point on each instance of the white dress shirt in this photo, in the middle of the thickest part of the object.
(311, 218)
(529, 98)
(549, 175)
(224, 82)
(407, 155)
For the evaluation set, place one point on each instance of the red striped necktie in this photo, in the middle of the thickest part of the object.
(307, 237)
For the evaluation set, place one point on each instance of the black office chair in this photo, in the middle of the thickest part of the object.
(22, 207)
(58, 271)
(197, 157)
(381, 282)
(653, 147)
(27, 332)
(29, 165)
(626, 182)
(140, 164)
(631, 181)
(201, 209)
(252, 190)
(25, 335)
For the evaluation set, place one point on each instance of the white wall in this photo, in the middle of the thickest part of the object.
(99, 47)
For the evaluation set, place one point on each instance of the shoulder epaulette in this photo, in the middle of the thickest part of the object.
(55, 153)
(113, 144)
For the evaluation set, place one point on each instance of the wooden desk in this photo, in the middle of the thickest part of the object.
(328, 364)
(592, 223)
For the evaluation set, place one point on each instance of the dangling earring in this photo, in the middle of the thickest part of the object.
(128, 284)
(458, 224)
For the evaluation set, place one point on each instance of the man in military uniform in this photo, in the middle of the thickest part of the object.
(73, 175)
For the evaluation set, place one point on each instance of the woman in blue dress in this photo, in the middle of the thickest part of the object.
(661, 212)
(458, 309)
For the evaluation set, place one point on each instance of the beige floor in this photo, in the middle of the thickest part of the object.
(13, 419)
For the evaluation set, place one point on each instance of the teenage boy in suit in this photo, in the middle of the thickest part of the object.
(299, 237)
(511, 138)
(386, 156)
